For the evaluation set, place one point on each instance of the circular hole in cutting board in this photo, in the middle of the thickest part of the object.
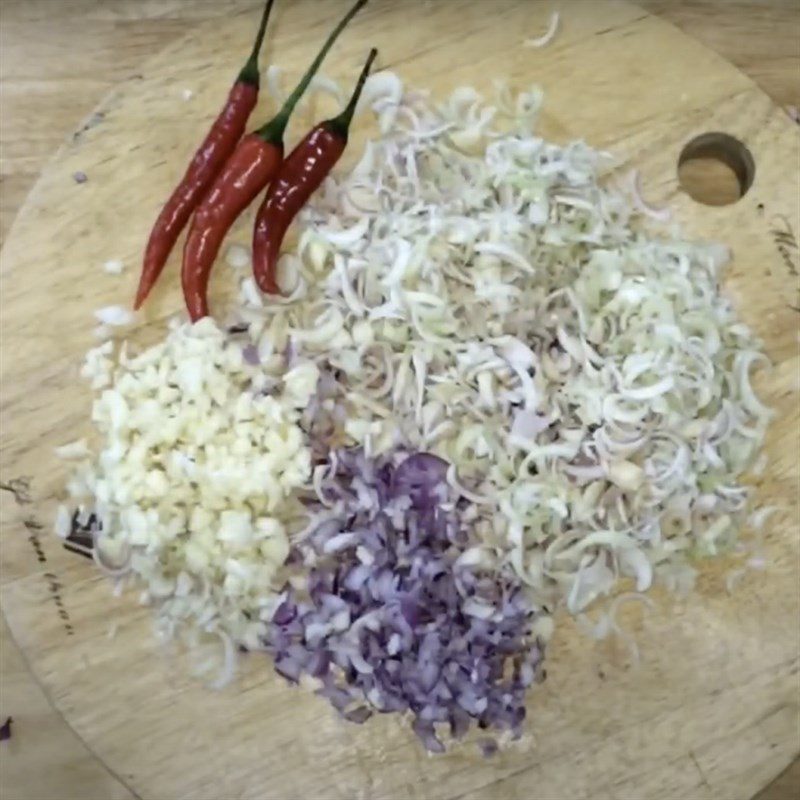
(716, 169)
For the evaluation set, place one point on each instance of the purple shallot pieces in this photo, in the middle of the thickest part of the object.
(391, 622)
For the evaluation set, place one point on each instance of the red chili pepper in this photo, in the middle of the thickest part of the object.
(300, 176)
(252, 166)
(203, 168)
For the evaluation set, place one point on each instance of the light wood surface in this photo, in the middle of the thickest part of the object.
(712, 712)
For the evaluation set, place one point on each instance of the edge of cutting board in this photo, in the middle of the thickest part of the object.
(726, 754)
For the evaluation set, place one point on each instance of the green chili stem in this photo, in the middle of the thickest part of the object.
(273, 131)
(341, 124)
(250, 73)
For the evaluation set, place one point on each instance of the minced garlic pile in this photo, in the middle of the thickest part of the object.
(193, 483)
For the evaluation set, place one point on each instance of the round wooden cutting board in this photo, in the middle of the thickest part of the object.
(711, 711)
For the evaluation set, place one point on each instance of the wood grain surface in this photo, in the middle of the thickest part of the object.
(735, 724)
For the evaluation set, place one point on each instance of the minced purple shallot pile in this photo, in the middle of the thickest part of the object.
(397, 613)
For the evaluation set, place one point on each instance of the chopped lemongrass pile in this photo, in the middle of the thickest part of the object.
(488, 296)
